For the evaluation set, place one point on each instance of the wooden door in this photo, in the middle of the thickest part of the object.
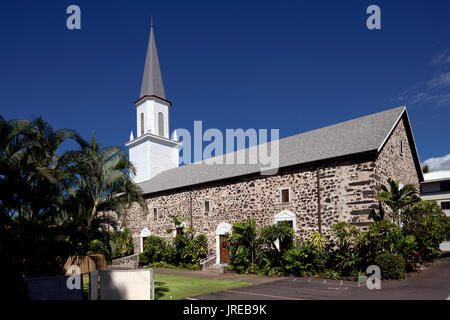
(224, 246)
(143, 244)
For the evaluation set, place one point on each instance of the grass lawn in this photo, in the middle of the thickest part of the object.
(181, 287)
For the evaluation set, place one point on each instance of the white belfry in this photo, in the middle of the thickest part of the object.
(152, 151)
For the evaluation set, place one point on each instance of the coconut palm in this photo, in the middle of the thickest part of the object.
(397, 198)
(99, 181)
(30, 184)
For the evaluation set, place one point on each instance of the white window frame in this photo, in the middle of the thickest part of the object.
(281, 193)
(285, 215)
(204, 206)
(144, 234)
(175, 227)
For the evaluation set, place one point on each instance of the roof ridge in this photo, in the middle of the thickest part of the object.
(296, 135)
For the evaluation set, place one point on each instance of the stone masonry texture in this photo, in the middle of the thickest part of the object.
(348, 189)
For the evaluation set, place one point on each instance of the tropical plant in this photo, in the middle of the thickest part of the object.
(428, 224)
(32, 189)
(345, 255)
(382, 237)
(243, 245)
(392, 266)
(98, 247)
(318, 241)
(397, 198)
(50, 199)
(281, 232)
(123, 243)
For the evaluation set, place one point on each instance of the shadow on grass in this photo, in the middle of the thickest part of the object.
(160, 290)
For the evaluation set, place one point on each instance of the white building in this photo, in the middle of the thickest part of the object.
(436, 186)
(152, 151)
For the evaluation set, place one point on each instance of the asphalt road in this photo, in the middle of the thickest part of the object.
(433, 283)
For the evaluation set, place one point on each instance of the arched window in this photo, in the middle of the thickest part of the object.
(160, 124)
(142, 123)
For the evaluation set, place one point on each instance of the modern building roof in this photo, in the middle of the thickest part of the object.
(152, 84)
(440, 175)
(361, 135)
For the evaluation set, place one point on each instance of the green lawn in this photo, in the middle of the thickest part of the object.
(181, 287)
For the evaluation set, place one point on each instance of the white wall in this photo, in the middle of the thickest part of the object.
(151, 108)
(125, 285)
(139, 156)
(162, 158)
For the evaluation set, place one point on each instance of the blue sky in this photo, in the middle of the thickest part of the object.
(292, 65)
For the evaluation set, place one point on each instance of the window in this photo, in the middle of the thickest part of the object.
(401, 147)
(155, 213)
(285, 195)
(445, 205)
(206, 206)
(142, 123)
(161, 124)
(445, 186)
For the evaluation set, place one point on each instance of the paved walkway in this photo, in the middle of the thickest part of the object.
(432, 283)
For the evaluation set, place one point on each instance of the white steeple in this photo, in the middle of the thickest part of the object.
(152, 151)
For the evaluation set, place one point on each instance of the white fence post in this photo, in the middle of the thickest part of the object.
(152, 285)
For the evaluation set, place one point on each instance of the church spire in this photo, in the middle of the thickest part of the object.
(152, 84)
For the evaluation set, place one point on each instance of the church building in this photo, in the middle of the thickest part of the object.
(325, 175)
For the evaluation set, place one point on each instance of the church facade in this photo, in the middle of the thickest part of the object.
(325, 175)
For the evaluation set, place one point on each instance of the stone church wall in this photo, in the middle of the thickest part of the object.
(347, 193)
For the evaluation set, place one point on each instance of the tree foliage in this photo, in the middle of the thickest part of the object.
(51, 199)
(397, 198)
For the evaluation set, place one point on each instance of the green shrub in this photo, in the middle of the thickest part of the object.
(382, 237)
(143, 259)
(155, 248)
(345, 256)
(124, 244)
(318, 241)
(170, 254)
(281, 231)
(314, 260)
(428, 224)
(194, 250)
(183, 251)
(392, 266)
(293, 263)
(409, 251)
(243, 246)
(97, 246)
(180, 243)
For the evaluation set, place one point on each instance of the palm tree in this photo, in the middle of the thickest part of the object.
(244, 237)
(99, 180)
(397, 197)
(30, 184)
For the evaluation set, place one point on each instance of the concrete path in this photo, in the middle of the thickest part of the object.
(432, 283)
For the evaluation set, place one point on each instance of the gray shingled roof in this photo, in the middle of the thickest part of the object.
(346, 138)
(152, 83)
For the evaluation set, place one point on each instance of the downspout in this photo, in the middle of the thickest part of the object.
(319, 215)
(190, 211)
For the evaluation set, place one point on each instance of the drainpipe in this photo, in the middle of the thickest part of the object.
(319, 216)
(190, 211)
